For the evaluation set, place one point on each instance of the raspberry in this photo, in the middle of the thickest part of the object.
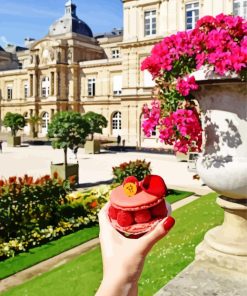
(130, 179)
(142, 216)
(159, 210)
(124, 218)
(113, 212)
(154, 185)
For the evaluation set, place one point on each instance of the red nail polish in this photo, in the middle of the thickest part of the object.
(169, 222)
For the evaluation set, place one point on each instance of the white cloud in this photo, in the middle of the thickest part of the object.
(4, 41)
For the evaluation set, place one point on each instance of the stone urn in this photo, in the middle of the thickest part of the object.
(223, 168)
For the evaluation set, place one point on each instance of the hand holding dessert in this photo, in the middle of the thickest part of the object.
(123, 258)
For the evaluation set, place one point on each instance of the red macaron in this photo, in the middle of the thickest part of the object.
(135, 207)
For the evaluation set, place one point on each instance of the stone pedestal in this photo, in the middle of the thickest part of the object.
(231, 236)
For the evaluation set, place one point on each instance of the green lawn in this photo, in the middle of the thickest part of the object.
(53, 248)
(82, 275)
(176, 195)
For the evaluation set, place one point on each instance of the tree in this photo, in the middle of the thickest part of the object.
(14, 121)
(97, 122)
(34, 121)
(68, 130)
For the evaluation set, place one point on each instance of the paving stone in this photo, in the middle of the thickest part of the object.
(205, 279)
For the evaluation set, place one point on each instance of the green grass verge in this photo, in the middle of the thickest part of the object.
(82, 275)
(53, 248)
(176, 195)
(38, 254)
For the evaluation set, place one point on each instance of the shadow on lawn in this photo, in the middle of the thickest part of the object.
(86, 185)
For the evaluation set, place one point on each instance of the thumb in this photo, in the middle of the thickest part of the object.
(158, 232)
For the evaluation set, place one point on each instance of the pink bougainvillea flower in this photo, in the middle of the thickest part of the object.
(184, 86)
(218, 42)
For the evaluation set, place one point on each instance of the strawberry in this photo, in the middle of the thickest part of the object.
(159, 210)
(124, 218)
(113, 212)
(142, 216)
(154, 185)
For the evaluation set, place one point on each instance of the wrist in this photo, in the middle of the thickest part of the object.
(117, 286)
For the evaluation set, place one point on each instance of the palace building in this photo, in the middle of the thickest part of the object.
(73, 69)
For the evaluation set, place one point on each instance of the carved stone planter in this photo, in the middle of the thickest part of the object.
(223, 167)
(92, 146)
(14, 141)
(64, 172)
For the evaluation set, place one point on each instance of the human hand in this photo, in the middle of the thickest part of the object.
(123, 258)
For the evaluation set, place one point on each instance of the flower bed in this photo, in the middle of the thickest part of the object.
(37, 211)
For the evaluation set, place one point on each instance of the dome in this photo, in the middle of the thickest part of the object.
(70, 23)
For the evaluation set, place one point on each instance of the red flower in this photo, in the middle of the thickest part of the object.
(55, 175)
(94, 204)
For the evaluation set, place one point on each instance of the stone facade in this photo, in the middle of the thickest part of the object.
(71, 70)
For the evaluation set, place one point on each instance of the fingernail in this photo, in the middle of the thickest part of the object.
(169, 222)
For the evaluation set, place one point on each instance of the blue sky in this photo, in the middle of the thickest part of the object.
(31, 18)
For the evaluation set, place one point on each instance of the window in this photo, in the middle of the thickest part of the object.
(91, 87)
(117, 85)
(58, 84)
(148, 79)
(45, 87)
(116, 123)
(115, 53)
(192, 15)
(45, 121)
(25, 90)
(240, 8)
(150, 23)
(9, 93)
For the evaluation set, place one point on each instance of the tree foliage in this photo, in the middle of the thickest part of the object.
(97, 122)
(14, 121)
(34, 123)
(68, 130)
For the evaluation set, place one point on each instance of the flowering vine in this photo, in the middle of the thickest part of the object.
(217, 42)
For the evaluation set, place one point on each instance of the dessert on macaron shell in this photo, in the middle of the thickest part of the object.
(136, 207)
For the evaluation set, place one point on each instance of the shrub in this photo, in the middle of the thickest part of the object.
(27, 204)
(137, 168)
(77, 210)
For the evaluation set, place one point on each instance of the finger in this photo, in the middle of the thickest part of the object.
(106, 228)
(158, 232)
(104, 221)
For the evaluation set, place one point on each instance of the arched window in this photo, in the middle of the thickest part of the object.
(116, 123)
(45, 122)
(45, 87)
